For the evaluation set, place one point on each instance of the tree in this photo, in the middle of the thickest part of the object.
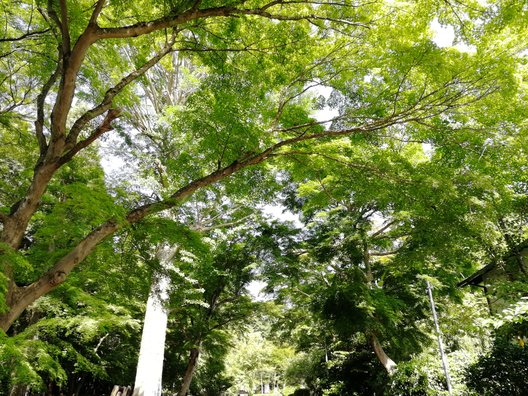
(224, 302)
(150, 361)
(83, 337)
(257, 364)
(370, 240)
(317, 40)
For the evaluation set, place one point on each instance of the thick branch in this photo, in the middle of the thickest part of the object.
(97, 10)
(166, 22)
(53, 15)
(384, 359)
(189, 372)
(65, 30)
(390, 253)
(106, 103)
(383, 228)
(142, 28)
(63, 103)
(41, 99)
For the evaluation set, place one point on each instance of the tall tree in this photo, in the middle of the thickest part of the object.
(150, 361)
(75, 97)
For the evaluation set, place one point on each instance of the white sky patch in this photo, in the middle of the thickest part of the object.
(444, 37)
(279, 212)
(123, 170)
(428, 149)
(255, 289)
(327, 113)
(112, 164)
(377, 220)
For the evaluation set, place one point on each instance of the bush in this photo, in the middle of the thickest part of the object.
(502, 372)
(416, 378)
(407, 381)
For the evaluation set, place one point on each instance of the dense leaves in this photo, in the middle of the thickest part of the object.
(401, 158)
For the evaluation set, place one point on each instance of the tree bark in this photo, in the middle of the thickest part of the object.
(16, 223)
(18, 390)
(189, 372)
(385, 360)
(150, 363)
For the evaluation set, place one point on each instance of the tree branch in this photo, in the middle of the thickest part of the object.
(97, 10)
(53, 15)
(166, 22)
(104, 127)
(41, 99)
(378, 254)
(24, 36)
(382, 229)
(142, 28)
(64, 99)
(65, 29)
(106, 103)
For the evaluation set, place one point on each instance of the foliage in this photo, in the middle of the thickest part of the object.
(503, 369)
(409, 380)
(255, 362)
(77, 340)
(501, 372)
(420, 171)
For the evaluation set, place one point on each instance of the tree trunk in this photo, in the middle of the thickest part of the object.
(150, 363)
(191, 367)
(18, 390)
(385, 360)
(16, 223)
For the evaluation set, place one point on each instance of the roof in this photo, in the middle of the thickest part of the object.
(477, 278)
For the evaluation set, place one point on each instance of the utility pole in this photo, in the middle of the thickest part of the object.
(440, 343)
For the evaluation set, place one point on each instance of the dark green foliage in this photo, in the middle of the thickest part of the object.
(504, 369)
(301, 392)
(502, 372)
(346, 373)
(356, 373)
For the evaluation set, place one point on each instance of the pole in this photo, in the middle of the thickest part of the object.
(439, 335)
